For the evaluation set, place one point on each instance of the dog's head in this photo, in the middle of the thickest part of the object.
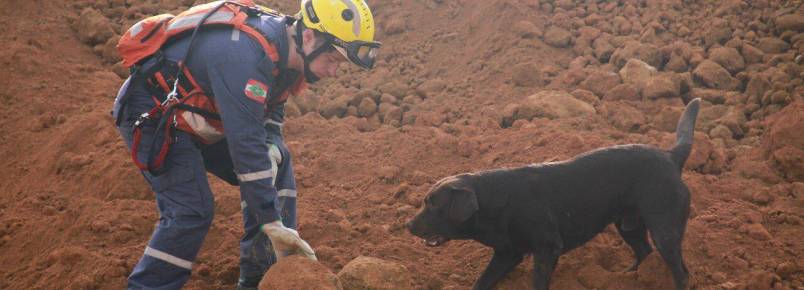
(446, 211)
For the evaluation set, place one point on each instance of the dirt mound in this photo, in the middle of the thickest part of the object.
(450, 94)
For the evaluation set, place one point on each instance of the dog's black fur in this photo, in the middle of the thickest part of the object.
(549, 209)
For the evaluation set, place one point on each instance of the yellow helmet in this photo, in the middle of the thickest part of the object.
(348, 24)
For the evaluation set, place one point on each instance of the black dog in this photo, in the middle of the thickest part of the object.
(549, 209)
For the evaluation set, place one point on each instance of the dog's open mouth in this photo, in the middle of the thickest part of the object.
(435, 241)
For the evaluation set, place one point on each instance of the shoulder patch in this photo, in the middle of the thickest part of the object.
(256, 91)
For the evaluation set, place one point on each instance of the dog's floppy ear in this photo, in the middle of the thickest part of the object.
(463, 202)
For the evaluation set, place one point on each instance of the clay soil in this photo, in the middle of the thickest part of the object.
(450, 95)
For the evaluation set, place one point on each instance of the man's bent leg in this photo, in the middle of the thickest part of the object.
(186, 209)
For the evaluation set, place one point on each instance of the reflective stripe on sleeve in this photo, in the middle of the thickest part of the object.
(255, 175)
(168, 258)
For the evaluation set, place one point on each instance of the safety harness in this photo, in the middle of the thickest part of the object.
(186, 106)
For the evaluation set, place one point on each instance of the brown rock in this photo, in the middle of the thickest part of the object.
(393, 117)
(717, 34)
(715, 76)
(110, 54)
(667, 119)
(586, 96)
(552, 105)
(622, 92)
(729, 58)
(637, 73)
(722, 132)
(790, 162)
(430, 87)
(624, 117)
(752, 54)
(527, 29)
(335, 108)
(366, 108)
(760, 280)
(635, 50)
(297, 272)
(526, 75)
(395, 88)
(676, 63)
(92, 27)
(603, 49)
(600, 82)
(773, 45)
(395, 25)
(661, 86)
(557, 36)
(790, 22)
(373, 273)
(709, 95)
(756, 87)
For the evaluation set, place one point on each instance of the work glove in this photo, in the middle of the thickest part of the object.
(286, 241)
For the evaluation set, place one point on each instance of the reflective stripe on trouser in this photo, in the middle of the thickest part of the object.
(256, 252)
(186, 209)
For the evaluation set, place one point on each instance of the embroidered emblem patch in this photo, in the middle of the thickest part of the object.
(256, 91)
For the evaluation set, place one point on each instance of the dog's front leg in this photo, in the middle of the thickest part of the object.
(544, 262)
(501, 263)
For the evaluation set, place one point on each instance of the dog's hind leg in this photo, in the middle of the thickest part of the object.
(634, 232)
(667, 225)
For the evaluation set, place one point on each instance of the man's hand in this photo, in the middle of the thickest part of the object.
(286, 241)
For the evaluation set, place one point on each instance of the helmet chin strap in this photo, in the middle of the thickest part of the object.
(309, 76)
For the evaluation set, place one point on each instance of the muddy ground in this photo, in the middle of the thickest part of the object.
(462, 85)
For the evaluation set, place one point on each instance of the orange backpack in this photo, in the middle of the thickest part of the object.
(146, 37)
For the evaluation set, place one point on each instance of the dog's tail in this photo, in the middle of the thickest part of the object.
(684, 133)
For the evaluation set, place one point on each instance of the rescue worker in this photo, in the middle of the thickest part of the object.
(210, 97)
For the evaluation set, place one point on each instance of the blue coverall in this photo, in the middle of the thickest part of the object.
(252, 155)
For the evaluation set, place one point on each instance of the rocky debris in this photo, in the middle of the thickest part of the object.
(752, 54)
(772, 45)
(623, 92)
(793, 22)
(335, 108)
(756, 88)
(600, 82)
(395, 25)
(676, 63)
(623, 116)
(373, 273)
(526, 75)
(557, 36)
(298, 272)
(661, 86)
(718, 33)
(367, 108)
(729, 58)
(712, 75)
(93, 27)
(637, 72)
(527, 29)
(603, 49)
(429, 88)
(647, 53)
(547, 104)
(784, 142)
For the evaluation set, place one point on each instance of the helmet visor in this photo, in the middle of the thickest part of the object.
(361, 53)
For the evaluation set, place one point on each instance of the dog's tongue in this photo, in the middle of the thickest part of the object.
(435, 241)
